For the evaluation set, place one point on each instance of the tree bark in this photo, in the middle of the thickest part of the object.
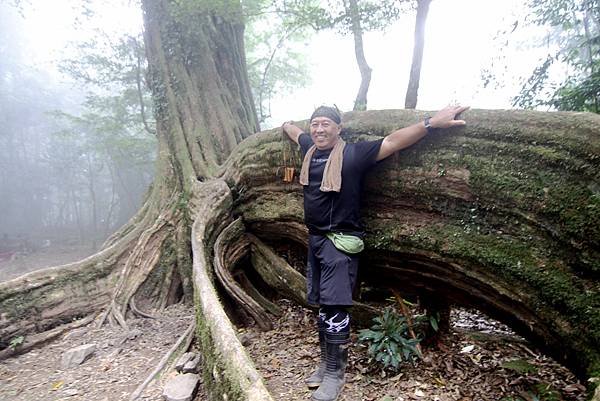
(412, 91)
(500, 215)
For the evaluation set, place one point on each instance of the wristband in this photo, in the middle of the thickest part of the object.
(428, 126)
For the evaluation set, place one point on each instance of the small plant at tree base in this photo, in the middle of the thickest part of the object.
(388, 340)
(423, 322)
(16, 342)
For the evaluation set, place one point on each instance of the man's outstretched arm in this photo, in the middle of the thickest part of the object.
(407, 136)
(292, 131)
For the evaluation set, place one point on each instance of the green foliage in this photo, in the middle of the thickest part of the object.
(388, 340)
(581, 94)
(113, 72)
(275, 31)
(16, 342)
(545, 392)
(274, 44)
(373, 15)
(575, 33)
(433, 321)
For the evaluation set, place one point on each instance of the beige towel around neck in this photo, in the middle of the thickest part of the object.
(332, 175)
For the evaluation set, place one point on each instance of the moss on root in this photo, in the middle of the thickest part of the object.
(216, 382)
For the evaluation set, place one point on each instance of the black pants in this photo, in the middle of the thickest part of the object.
(330, 273)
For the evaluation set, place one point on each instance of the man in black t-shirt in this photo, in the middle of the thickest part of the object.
(332, 174)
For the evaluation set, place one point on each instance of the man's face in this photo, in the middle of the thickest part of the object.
(324, 132)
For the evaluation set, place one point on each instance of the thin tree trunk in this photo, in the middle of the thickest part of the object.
(360, 103)
(410, 101)
(138, 81)
(94, 203)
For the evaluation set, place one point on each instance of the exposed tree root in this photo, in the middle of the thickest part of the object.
(276, 272)
(140, 263)
(257, 296)
(39, 339)
(137, 311)
(230, 247)
(181, 345)
(225, 358)
(44, 299)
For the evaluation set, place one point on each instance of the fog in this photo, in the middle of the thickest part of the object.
(77, 153)
(75, 158)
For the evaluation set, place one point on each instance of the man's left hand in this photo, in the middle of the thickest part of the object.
(446, 117)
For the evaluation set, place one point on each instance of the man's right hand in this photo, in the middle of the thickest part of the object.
(292, 131)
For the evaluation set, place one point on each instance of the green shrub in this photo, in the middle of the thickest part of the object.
(388, 340)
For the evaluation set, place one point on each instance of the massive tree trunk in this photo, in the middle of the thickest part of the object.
(412, 92)
(502, 215)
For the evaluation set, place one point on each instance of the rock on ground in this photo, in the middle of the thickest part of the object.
(181, 387)
(75, 356)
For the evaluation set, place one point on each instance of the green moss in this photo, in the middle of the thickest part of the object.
(520, 262)
(217, 380)
(272, 206)
(29, 303)
(521, 366)
(152, 286)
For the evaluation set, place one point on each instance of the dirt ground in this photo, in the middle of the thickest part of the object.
(121, 362)
(467, 366)
(54, 256)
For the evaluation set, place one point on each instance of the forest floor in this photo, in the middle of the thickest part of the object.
(52, 256)
(479, 360)
(121, 362)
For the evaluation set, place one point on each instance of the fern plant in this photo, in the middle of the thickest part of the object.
(388, 340)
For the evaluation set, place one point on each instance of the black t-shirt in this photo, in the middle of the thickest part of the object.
(337, 211)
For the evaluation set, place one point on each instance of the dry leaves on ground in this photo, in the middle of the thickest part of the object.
(490, 364)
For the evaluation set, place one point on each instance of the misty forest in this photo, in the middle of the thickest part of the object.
(152, 236)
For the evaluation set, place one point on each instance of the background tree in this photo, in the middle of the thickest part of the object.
(26, 94)
(573, 42)
(356, 17)
(81, 163)
(412, 91)
(116, 119)
(273, 38)
(348, 17)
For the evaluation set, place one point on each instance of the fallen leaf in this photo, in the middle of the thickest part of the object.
(57, 385)
(467, 349)
(573, 388)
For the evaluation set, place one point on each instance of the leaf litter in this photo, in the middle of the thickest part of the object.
(478, 360)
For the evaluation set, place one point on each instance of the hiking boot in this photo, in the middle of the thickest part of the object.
(315, 379)
(337, 358)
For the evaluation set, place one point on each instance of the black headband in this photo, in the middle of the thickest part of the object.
(326, 111)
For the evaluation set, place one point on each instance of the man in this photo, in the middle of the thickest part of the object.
(332, 173)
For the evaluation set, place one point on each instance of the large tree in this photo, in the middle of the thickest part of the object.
(503, 215)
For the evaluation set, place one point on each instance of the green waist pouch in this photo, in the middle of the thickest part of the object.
(346, 243)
